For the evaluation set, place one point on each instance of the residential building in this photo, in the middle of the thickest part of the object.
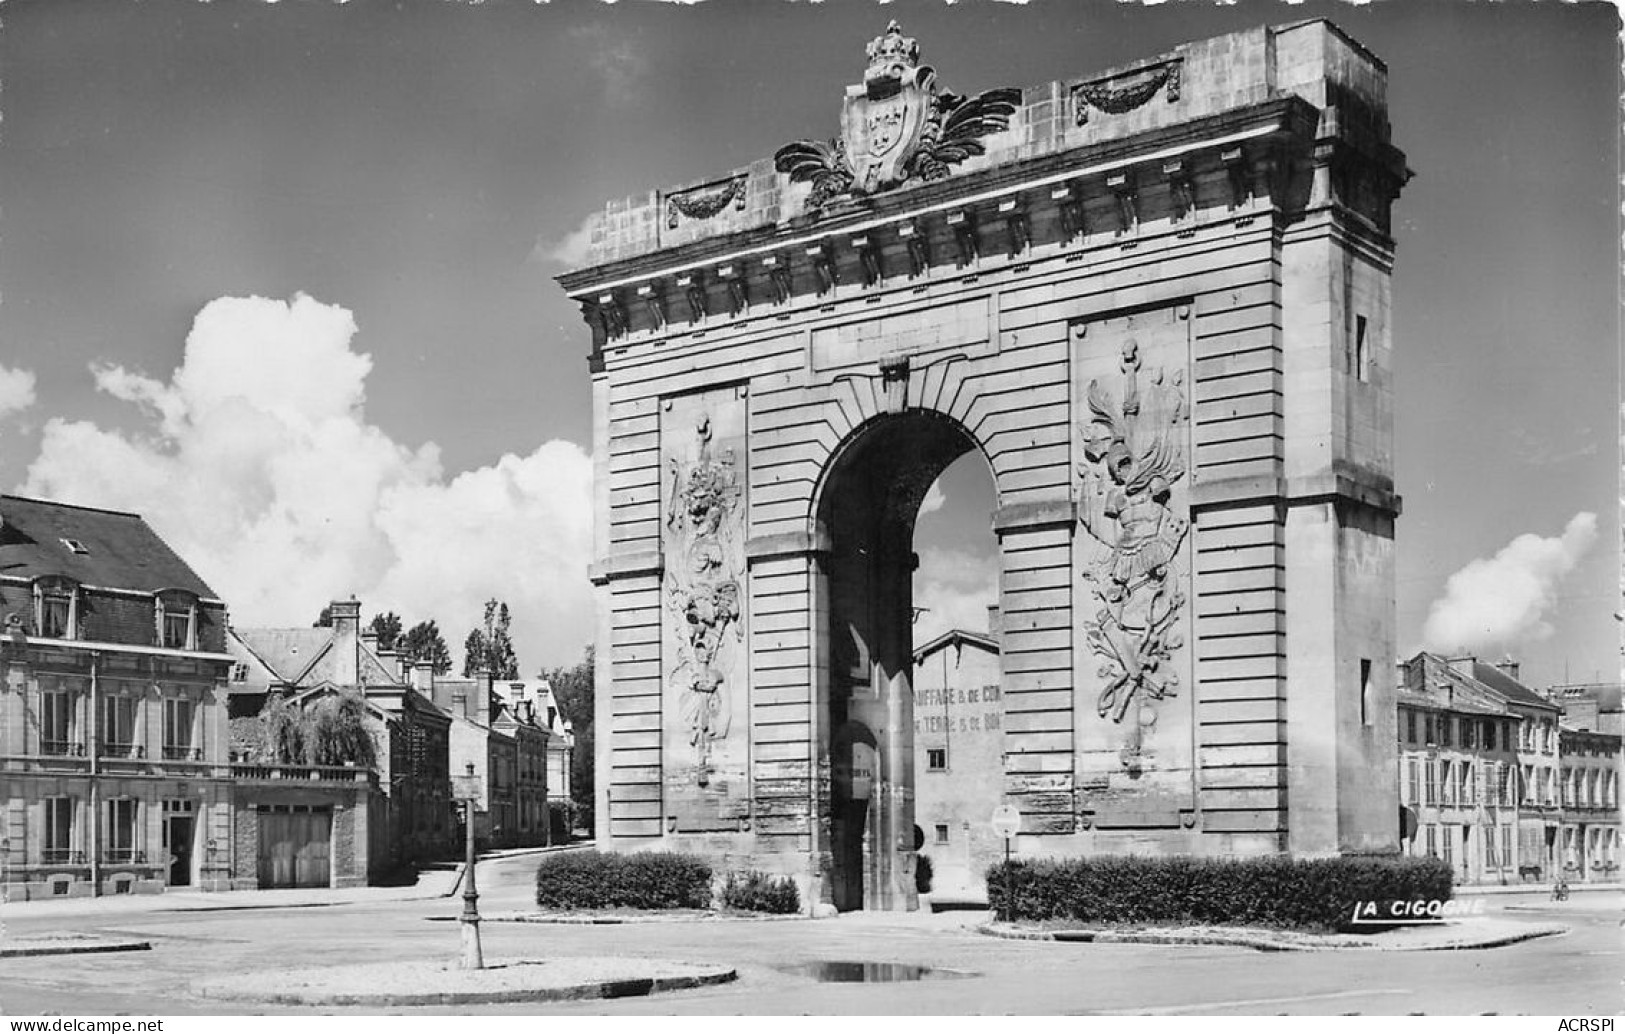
(412, 735)
(1590, 765)
(481, 750)
(1458, 771)
(1540, 817)
(958, 758)
(516, 716)
(116, 774)
(1593, 706)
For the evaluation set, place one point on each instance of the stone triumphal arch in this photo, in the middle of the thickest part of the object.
(1155, 299)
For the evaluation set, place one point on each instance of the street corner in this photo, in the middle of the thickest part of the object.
(423, 983)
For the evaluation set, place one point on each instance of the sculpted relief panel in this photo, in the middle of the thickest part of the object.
(704, 661)
(1132, 562)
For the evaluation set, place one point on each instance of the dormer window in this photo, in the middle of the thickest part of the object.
(56, 608)
(175, 615)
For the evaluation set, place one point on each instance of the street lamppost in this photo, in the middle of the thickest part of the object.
(469, 921)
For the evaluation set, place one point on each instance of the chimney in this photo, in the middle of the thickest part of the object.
(369, 639)
(995, 621)
(423, 677)
(391, 662)
(459, 704)
(346, 616)
(1462, 665)
(1508, 667)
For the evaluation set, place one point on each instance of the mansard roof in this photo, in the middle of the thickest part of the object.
(116, 550)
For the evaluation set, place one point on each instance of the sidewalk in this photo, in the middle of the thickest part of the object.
(431, 884)
(1543, 889)
(1456, 935)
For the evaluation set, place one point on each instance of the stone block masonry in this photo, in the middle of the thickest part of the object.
(1155, 300)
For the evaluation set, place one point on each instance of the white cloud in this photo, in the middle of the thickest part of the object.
(16, 391)
(574, 249)
(1502, 601)
(260, 469)
(934, 499)
(955, 587)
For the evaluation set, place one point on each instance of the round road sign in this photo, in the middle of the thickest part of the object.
(1006, 821)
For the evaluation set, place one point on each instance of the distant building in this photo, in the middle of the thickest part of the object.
(1540, 818)
(496, 729)
(1593, 706)
(958, 758)
(412, 735)
(1458, 771)
(116, 768)
(1590, 763)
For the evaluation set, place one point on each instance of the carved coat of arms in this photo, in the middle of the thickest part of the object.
(1134, 457)
(900, 127)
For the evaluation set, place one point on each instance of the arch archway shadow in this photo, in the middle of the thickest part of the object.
(865, 511)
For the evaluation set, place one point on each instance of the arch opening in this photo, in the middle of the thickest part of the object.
(867, 511)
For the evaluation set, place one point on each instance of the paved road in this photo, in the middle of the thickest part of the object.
(1579, 973)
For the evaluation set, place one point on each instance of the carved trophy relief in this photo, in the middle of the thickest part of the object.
(702, 591)
(1133, 459)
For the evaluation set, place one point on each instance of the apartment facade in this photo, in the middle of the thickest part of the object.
(116, 768)
(1459, 776)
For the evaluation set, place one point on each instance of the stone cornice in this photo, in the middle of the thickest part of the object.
(646, 564)
(1289, 115)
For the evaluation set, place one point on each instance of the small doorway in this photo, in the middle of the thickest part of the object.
(178, 842)
(180, 830)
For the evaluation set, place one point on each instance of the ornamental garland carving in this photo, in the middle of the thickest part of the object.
(1133, 459)
(901, 128)
(1141, 86)
(705, 202)
(702, 592)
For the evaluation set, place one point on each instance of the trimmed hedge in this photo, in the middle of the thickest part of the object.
(758, 892)
(1275, 891)
(650, 879)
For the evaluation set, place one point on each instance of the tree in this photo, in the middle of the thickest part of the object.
(337, 734)
(573, 689)
(490, 649)
(333, 731)
(388, 629)
(423, 642)
(325, 618)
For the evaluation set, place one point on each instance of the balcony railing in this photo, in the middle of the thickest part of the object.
(299, 773)
(123, 856)
(116, 749)
(62, 856)
(62, 748)
(182, 753)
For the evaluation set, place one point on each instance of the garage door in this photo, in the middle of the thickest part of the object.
(293, 847)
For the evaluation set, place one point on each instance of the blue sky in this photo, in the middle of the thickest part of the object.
(397, 181)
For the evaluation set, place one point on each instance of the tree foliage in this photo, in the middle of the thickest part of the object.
(423, 642)
(490, 648)
(332, 731)
(325, 618)
(387, 627)
(573, 689)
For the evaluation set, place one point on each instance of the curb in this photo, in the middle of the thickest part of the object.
(541, 918)
(630, 988)
(1257, 943)
(69, 948)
